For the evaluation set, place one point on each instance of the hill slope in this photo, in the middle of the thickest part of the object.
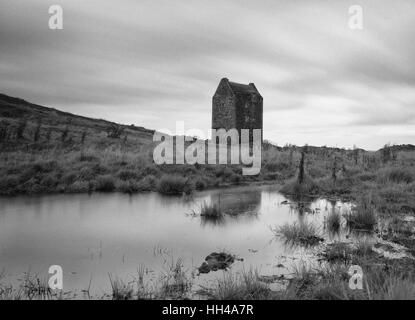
(17, 114)
(44, 150)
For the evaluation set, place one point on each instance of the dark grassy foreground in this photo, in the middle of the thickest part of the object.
(46, 151)
(384, 198)
(383, 279)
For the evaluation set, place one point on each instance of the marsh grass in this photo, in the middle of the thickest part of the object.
(241, 286)
(34, 287)
(105, 183)
(338, 252)
(396, 175)
(390, 284)
(210, 210)
(307, 188)
(304, 233)
(303, 184)
(324, 283)
(396, 288)
(96, 167)
(30, 287)
(172, 185)
(333, 222)
(120, 289)
(363, 216)
(382, 279)
(328, 283)
(332, 283)
(210, 214)
(7, 292)
(144, 290)
(342, 252)
(309, 284)
(363, 247)
(175, 281)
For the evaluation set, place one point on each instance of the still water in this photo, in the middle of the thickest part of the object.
(92, 236)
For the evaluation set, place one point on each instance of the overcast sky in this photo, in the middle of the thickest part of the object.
(155, 62)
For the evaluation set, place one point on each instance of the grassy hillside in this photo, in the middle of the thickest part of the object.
(25, 123)
(44, 150)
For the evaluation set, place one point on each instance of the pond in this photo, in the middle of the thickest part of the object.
(94, 236)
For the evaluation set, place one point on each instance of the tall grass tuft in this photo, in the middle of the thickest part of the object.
(363, 247)
(120, 290)
(37, 288)
(333, 222)
(299, 233)
(172, 185)
(105, 183)
(338, 252)
(307, 188)
(175, 283)
(243, 286)
(396, 288)
(396, 175)
(363, 216)
(211, 210)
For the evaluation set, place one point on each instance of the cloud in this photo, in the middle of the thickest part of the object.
(152, 63)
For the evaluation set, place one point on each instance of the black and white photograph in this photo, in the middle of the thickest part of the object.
(194, 150)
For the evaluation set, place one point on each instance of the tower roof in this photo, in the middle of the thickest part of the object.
(242, 88)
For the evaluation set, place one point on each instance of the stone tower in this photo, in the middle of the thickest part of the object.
(238, 106)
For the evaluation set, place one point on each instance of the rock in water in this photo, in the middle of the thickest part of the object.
(216, 261)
